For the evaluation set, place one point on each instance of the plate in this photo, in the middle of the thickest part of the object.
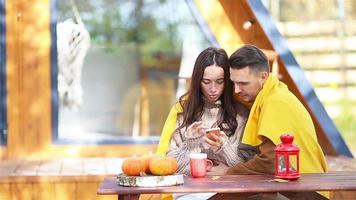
(150, 181)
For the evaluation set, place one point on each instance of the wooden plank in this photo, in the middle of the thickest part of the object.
(52, 179)
(315, 28)
(94, 166)
(29, 168)
(65, 190)
(227, 24)
(343, 195)
(50, 168)
(113, 166)
(29, 81)
(221, 26)
(324, 61)
(63, 170)
(333, 94)
(321, 44)
(333, 181)
(72, 167)
(43, 191)
(48, 190)
(5, 191)
(13, 70)
(21, 191)
(114, 197)
(240, 13)
(9, 167)
(331, 78)
(3, 152)
(36, 127)
(87, 190)
(77, 151)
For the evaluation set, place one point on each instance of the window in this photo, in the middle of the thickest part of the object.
(2, 74)
(129, 77)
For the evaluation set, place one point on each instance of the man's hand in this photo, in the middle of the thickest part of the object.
(220, 169)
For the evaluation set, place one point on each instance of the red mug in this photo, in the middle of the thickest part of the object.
(199, 165)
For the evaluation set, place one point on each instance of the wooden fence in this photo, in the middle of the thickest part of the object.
(326, 50)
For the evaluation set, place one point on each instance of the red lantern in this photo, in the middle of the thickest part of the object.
(287, 158)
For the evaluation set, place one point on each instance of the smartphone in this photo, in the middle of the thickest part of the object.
(212, 131)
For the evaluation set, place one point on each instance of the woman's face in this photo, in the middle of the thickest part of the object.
(212, 84)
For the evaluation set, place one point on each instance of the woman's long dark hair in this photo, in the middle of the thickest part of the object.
(192, 102)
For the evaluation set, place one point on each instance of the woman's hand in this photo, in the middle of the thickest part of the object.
(215, 141)
(194, 130)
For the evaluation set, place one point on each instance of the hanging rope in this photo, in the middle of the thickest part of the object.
(73, 42)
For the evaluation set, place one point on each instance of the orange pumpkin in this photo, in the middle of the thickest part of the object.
(134, 166)
(163, 165)
(147, 158)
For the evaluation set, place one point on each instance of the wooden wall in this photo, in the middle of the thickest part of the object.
(53, 189)
(29, 117)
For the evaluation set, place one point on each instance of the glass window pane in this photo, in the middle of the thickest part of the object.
(129, 76)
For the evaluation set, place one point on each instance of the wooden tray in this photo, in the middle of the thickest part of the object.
(150, 181)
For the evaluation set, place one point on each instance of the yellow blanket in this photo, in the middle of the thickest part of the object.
(277, 111)
(168, 129)
(164, 140)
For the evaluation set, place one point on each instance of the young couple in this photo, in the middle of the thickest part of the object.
(250, 124)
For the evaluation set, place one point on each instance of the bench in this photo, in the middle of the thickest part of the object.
(74, 178)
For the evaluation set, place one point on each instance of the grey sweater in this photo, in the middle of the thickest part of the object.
(229, 154)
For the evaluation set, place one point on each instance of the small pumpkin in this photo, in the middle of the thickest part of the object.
(163, 165)
(147, 158)
(134, 166)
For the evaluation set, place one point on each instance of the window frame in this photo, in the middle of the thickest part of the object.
(54, 84)
(3, 117)
(55, 100)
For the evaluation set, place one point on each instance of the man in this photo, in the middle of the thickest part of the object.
(274, 110)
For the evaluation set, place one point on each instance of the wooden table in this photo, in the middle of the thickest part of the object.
(333, 181)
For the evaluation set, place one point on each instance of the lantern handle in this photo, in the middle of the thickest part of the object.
(287, 138)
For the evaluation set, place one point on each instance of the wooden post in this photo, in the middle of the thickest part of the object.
(28, 76)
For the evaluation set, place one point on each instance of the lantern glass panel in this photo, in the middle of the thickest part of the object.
(293, 163)
(282, 163)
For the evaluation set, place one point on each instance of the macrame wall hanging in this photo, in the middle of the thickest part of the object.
(73, 42)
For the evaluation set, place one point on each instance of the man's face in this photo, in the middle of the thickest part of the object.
(247, 84)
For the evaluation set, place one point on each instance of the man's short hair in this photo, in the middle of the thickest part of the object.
(249, 56)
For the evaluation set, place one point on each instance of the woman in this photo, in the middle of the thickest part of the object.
(207, 104)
